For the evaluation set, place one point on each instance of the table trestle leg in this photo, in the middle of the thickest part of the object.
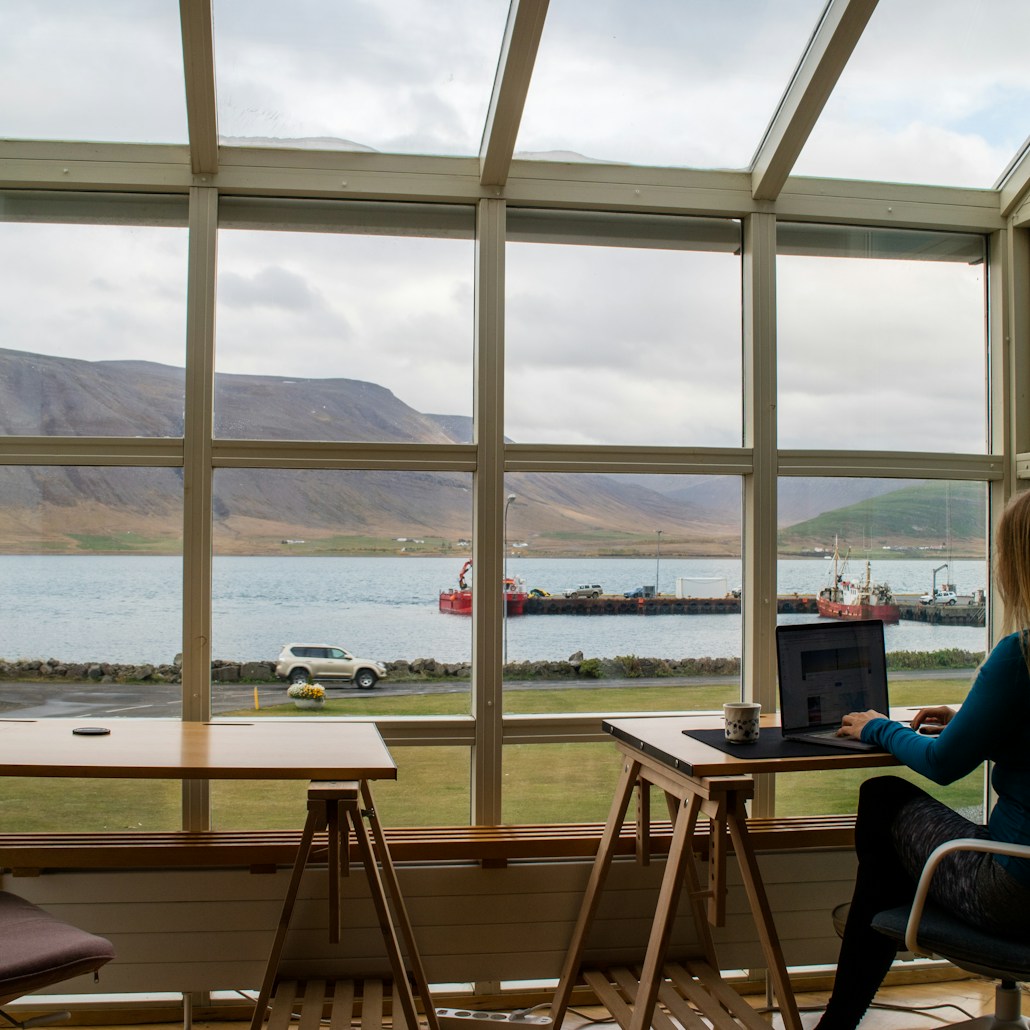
(339, 808)
(595, 884)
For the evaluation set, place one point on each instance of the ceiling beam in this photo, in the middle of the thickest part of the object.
(511, 84)
(1015, 183)
(198, 60)
(821, 66)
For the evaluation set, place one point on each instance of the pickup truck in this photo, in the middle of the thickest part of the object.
(940, 597)
(584, 590)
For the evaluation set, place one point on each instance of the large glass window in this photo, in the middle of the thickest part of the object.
(99, 71)
(335, 578)
(90, 627)
(881, 340)
(900, 113)
(911, 553)
(622, 592)
(622, 330)
(357, 76)
(653, 84)
(93, 319)
(352, 322)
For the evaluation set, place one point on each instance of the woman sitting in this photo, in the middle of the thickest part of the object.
(899, 825)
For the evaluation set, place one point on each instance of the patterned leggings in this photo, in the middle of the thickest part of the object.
(897, 827)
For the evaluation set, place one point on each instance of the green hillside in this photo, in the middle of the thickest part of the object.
(945, 517)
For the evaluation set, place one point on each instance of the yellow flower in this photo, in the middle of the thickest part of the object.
(307, 691)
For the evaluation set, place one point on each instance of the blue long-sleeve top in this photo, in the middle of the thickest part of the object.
(992, 724)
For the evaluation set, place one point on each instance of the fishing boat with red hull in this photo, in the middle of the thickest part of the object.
(864, 599)
(458, 601)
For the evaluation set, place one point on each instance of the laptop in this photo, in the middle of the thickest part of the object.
(826, 670)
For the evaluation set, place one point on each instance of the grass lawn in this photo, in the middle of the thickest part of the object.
(542, 782)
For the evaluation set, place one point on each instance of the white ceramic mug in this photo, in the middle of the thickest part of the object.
(742, 721)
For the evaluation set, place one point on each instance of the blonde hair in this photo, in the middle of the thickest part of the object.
(1012, 564)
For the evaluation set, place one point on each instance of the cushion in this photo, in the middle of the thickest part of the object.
(37, 949)
(967, 947)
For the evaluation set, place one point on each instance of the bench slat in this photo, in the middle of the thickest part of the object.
(29, 853)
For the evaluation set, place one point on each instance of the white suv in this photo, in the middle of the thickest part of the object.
(585, 590)
(302, 663)
(940, 597)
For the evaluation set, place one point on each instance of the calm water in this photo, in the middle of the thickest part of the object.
(128, 609)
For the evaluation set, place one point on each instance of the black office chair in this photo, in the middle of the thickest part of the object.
(928, 930)
(38, 949)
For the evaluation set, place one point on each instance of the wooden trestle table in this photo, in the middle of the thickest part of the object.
(339, 758)
(697, 779)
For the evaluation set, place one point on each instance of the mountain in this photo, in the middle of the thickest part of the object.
(55, 509)
(260, 511)
(798, 498)
(944, 517)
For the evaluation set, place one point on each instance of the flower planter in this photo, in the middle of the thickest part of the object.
(308, 702)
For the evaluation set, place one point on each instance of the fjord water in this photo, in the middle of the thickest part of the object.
(128, 609)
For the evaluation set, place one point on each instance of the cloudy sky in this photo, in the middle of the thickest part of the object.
(675, 82)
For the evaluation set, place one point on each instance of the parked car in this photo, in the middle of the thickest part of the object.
(584, 590)
(302, 663)
(940, 597)
(644, 591)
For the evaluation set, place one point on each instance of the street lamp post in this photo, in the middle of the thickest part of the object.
(657, 561)
(504, 586)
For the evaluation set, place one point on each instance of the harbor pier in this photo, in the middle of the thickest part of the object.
(968, 614)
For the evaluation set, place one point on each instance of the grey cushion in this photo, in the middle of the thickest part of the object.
(967, 947)
(37, 949)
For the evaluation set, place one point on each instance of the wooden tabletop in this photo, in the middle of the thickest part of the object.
(662, 737)
(171, 749)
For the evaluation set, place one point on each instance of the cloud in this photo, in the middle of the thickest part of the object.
(270, 287)
(938, 100)
(880, 354)
(603, 344)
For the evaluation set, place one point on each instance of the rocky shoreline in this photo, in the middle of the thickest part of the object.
(403, 670)
(422, 669)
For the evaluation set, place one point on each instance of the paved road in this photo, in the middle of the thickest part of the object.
(59, 699)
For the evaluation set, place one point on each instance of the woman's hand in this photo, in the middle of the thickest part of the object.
(851, 725)
(932, 720)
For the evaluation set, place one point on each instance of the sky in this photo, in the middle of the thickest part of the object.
(588, 327)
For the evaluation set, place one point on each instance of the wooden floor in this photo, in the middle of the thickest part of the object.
(896, 1008)
(911, 1007)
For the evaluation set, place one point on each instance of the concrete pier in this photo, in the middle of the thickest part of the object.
(786, 604)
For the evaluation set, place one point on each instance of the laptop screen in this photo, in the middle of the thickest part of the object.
(828, 669)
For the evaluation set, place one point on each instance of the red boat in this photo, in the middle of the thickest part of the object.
(458, 601)
(844, 599)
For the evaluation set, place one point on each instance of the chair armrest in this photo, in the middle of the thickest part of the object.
(994, 847)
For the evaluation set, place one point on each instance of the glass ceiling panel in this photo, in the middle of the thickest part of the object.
(936, 94)
(683, 83)
(109, 70)
(409, 76)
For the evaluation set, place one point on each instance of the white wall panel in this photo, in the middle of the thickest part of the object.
(195, 930)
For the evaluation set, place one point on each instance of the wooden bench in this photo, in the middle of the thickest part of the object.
(29, 854)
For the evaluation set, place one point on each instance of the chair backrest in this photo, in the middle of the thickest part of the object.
(38, 949)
